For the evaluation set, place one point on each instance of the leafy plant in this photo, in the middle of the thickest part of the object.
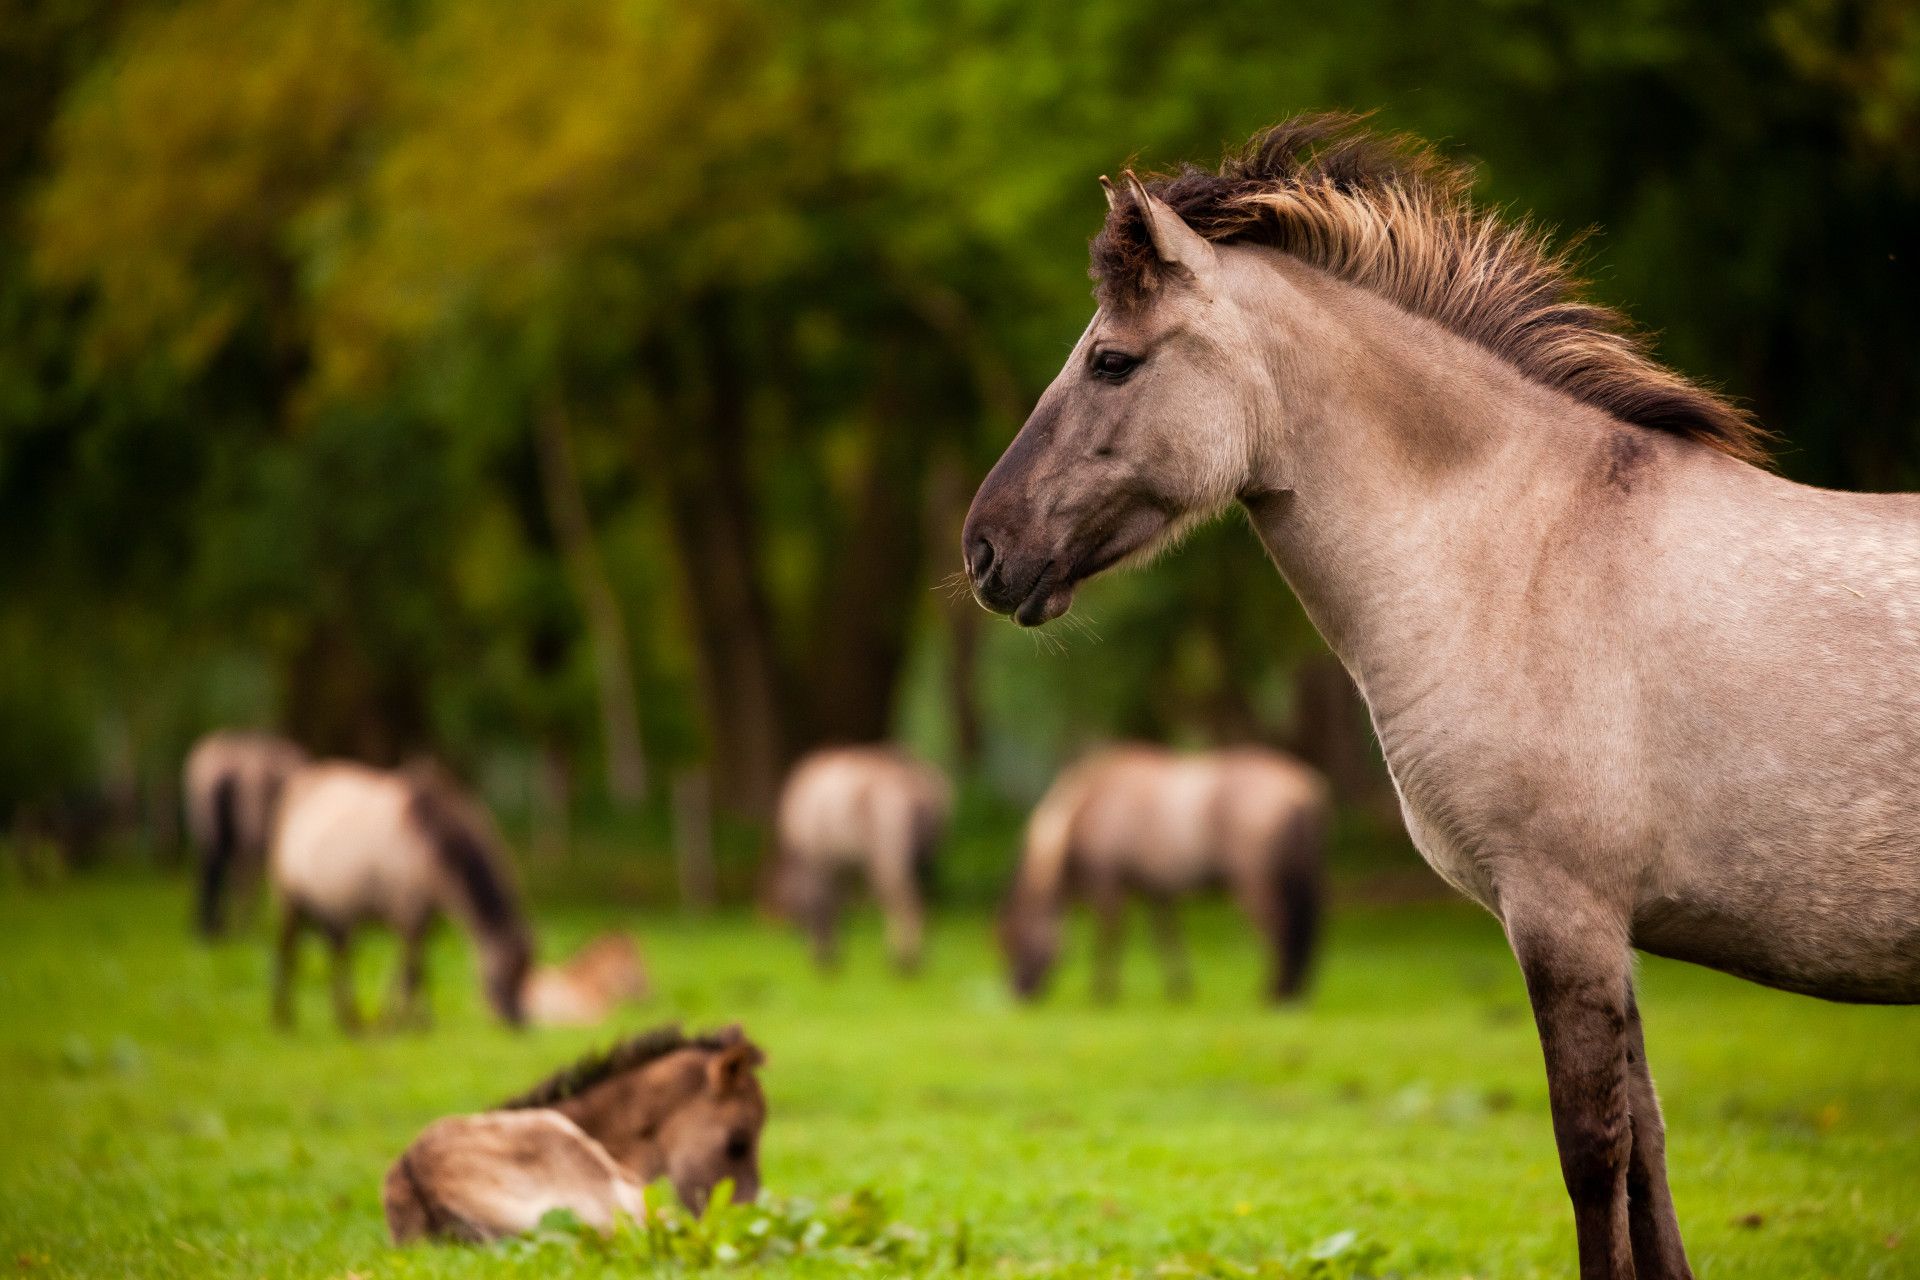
(855, 1229)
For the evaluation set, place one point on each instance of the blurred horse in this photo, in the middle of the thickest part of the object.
(357, 846)
(606, 973)
(869, 811)
(231, 787)
(661, 1104)
(1142, 819)
(477, 1178)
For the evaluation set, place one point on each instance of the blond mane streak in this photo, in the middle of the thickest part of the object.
(1387, 214)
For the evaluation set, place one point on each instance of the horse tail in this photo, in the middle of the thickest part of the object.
(1300, 886)
(410, 1215)
(221, 850)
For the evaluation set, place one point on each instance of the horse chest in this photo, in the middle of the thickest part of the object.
(1449, 858)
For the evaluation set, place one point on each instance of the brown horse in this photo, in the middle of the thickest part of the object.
(587, 1138)
(357, 846)
(231, 786)
(1634, 690)
(872, 812)
(605, 974)
(1161, 825)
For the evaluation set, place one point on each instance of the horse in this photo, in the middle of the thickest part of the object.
(582, 992)
(868, 811)
(1143, 819)
(1634, 689)
(356, 845)
(230, 788)
(588, 1138)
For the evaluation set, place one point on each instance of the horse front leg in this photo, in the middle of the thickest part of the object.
(409, 1008)
(346, 1010)
(286, 955)
(1109, 905)
(1658, 1253)
(1578, 969)
(1173, 947)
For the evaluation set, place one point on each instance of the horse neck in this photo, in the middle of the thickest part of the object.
(1412, 481)
(624, 1114)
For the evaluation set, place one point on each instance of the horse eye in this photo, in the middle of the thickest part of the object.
(1114, 365)
(739, 1146)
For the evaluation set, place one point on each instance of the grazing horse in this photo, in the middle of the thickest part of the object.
(231, 786)
(662, 1104)
(869, 811)
(606, 973)
(1143, 819)
(1634, 690)
(357, 846)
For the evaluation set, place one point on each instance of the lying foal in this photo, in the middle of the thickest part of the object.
(587, 1138)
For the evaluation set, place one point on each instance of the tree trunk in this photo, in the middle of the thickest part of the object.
(693, 841)
(959, 611)
(700, 457)
(606, 626)
(859, 638)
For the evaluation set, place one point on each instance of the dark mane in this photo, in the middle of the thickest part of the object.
(1389, 214)
(465, 846)
(628, 1055)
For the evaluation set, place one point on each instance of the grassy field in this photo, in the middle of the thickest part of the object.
(154, 1126)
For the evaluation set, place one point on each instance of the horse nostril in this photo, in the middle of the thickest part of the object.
(979, 557)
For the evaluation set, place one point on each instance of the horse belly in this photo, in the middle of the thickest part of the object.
(1832, 941)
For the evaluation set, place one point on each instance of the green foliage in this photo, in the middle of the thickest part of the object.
(853, 1231)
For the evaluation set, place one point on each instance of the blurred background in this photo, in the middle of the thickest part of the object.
(589, 392)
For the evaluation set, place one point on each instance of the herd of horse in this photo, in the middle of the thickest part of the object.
(344, 847)
(1634, 690)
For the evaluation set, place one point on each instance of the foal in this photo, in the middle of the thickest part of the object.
(867, 811)
(231, 786)
(358, 846)
(588, 1138)
(1634, 690)
(582, 992)
(1145, 820)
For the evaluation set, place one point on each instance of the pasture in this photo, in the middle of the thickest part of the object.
(156, 1127)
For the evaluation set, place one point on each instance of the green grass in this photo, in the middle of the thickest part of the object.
(153, 1126)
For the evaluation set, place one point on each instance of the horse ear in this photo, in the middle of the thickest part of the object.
(1174, 242)
(730, 1068)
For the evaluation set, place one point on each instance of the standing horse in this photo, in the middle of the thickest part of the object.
(231, 786)
(357, 846)
(1633, 689)
(1143, 819)
(867, 811)
(588, 1139)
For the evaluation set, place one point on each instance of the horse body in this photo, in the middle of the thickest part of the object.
(870, 812)
(230, 787)
(606, 973)
(357, 846)
(1145, 820)
(1632, 690)
(482, 1177)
